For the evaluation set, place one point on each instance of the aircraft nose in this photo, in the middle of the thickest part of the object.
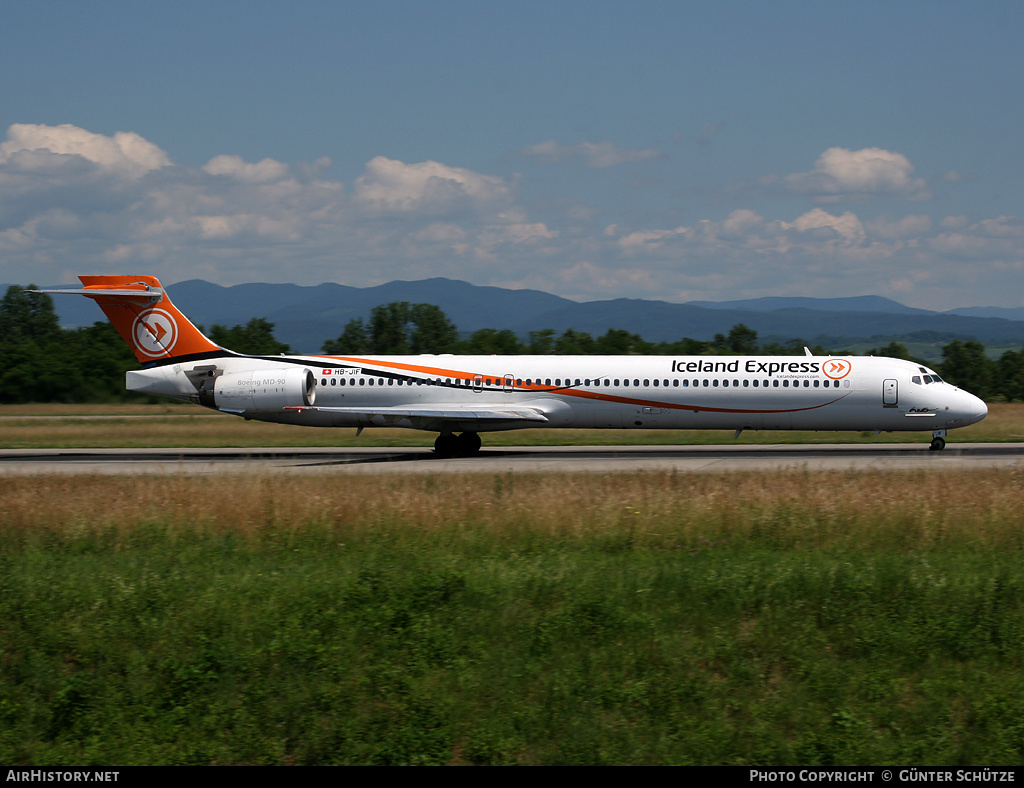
(974, 408)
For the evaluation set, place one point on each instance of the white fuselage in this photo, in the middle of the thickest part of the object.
(465, 393)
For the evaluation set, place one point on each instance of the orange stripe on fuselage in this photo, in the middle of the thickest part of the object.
(569, 392)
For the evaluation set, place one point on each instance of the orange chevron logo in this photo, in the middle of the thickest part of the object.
(154, 333)
(836, 368)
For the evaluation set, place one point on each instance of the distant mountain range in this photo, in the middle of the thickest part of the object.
(305, 317)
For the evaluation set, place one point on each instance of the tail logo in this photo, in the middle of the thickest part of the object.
(836, 368)
(154, 332)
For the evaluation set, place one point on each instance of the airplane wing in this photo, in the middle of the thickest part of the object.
(432, 418)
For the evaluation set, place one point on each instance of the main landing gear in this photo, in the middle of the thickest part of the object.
(938, 440)
(464, 445)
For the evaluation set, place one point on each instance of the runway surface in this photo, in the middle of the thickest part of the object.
(515, 459)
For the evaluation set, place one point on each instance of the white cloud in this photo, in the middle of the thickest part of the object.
(646, 241)
(516, 234)
(428, 188)
(848, 227)
(739, 222)
(125, 152)
(266, 171)
(860, 173)
(887, 228)
(1000, 239)
(592, 154)
(74, 202)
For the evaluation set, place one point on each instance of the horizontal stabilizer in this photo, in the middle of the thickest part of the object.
(153, 294)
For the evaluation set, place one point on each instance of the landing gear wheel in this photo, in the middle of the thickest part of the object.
(464, 445)
(469, 444)
(446, 445)
(938, 444)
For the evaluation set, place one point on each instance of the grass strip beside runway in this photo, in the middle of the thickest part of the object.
(782, 618)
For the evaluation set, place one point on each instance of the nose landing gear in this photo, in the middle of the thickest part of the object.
(938, 440)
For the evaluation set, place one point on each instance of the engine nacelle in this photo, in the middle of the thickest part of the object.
(260, 390)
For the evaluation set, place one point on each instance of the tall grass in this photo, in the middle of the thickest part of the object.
(772, 618)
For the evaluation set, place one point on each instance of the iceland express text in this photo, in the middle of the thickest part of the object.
(752, 365)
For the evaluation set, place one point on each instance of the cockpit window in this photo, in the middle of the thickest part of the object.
(916, 379)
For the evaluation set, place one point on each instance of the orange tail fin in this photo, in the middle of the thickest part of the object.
(145, 317)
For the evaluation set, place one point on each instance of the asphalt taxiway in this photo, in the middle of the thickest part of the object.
(515, 459)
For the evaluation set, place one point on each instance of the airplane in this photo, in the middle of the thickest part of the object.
(460, 397)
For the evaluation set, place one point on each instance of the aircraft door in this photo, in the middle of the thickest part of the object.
(478, 383)
(890, 397)
(508, 383)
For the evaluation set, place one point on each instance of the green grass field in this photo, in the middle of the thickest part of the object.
(768, 619)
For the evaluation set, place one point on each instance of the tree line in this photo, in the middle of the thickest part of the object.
(42, 362)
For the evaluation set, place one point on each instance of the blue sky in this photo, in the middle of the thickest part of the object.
(596, 150)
